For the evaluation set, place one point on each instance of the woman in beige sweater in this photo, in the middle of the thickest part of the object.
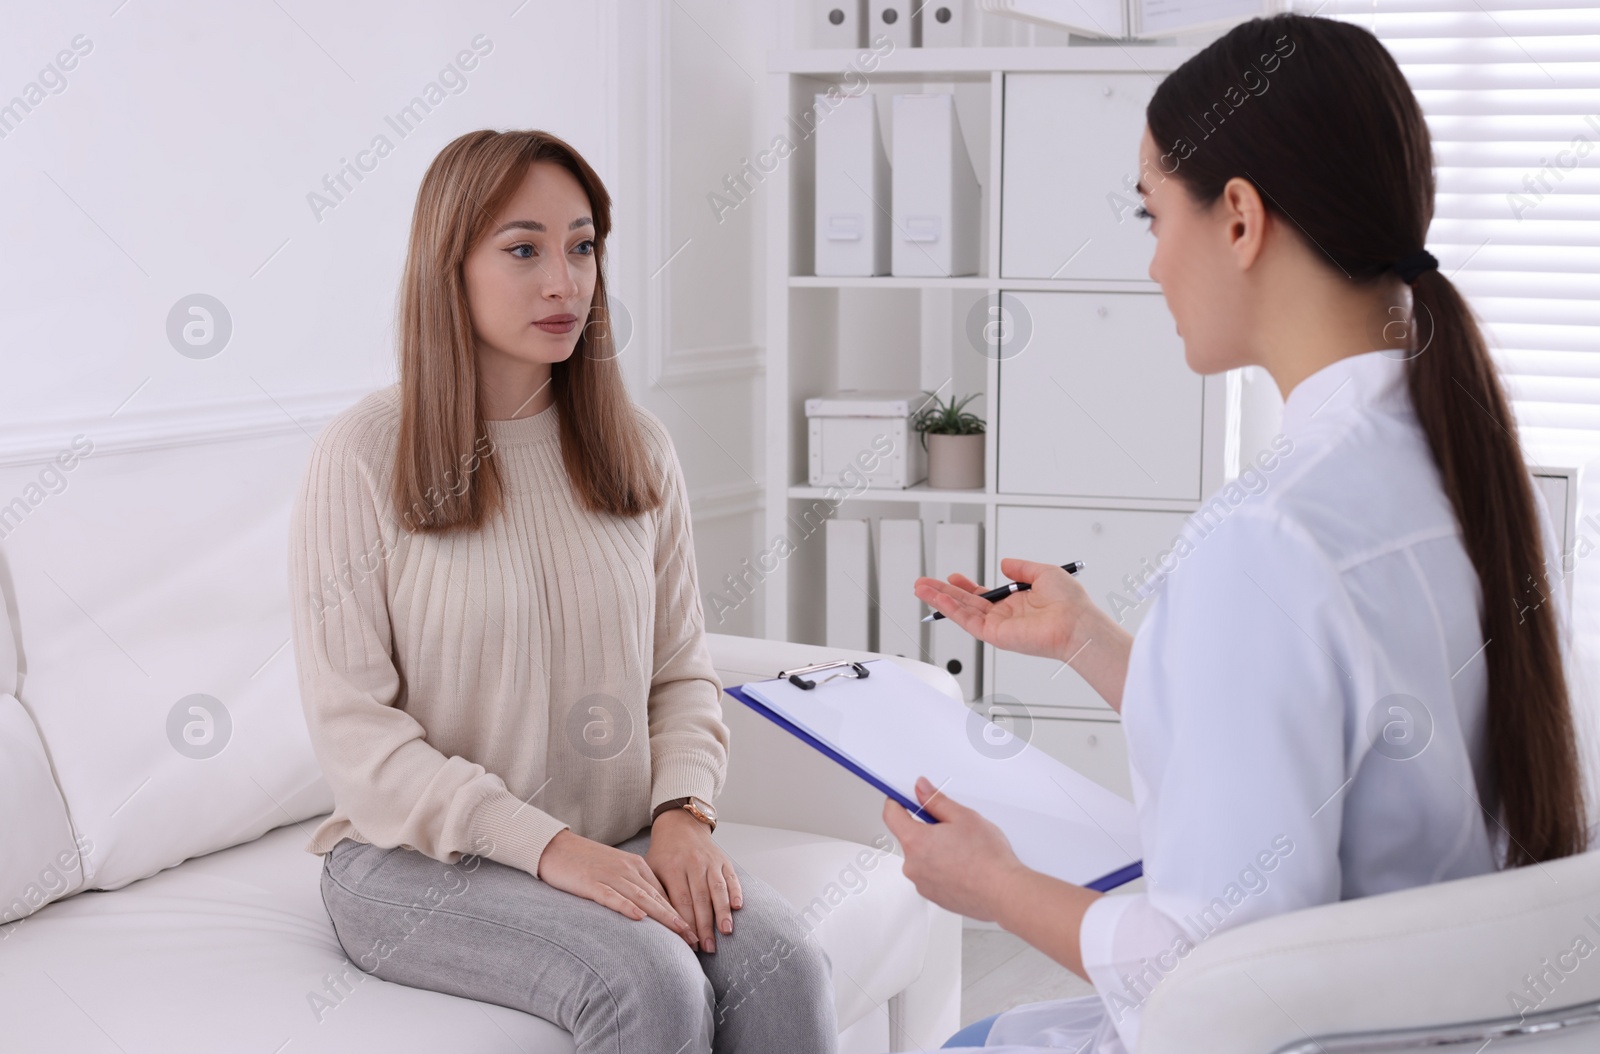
(502, 653)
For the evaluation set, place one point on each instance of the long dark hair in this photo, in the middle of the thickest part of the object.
(1318, 117)
(445, 473)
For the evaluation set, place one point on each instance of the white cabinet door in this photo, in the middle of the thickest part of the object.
(1098, 749)
(1070, 158)
(1097, 400)
(1113, 543)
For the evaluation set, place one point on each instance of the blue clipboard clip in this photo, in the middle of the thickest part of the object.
(794, 678)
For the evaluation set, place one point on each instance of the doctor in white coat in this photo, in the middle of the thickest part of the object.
(1348, 679)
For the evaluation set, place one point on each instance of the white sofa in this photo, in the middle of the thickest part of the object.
(171, 923)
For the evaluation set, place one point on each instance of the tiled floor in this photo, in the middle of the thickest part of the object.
(1000, 971)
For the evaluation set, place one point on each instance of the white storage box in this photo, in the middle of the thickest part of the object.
(864, 438)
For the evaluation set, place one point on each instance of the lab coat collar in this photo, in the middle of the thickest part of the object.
(1344, 387)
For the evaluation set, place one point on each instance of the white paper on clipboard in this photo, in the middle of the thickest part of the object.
(895, 728)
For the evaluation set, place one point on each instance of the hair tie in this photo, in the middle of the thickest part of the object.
(1412, 265)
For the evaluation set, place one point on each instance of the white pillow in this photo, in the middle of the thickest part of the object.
(8, 638)
(41, 858)
(40, 862)
(153, 585)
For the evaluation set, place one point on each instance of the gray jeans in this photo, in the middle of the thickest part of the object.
(495, 933)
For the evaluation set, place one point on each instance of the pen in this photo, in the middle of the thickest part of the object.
(999, 593)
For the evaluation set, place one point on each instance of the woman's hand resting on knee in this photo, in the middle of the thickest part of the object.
(614, 878)
(698, 875)
(1054, 618)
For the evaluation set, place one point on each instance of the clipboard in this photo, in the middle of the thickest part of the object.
(884, 725)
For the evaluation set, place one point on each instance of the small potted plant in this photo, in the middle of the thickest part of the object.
(953, 438)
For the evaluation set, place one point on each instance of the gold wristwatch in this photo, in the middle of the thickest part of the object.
(699, 808)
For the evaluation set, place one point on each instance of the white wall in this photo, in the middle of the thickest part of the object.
(182, 148)
(181, 158)
(702, 279)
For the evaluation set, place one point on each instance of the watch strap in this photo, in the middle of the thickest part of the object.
(670, 803)
(678, 803)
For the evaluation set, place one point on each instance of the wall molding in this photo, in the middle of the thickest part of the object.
(713, 363)
(657, 162)
(724, 500)
(191, 424)
(664, 363)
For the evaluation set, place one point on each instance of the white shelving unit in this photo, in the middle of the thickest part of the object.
(824, 333)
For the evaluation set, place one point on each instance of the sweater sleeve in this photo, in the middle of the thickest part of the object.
(688, 740)
(392, 784)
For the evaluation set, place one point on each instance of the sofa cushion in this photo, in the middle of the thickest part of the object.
(40, 861)
(155, 650)
(8, 638)
(852, 898)
(234, 952)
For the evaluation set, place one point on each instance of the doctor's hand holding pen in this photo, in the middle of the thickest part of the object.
(1054, 618)
(964, 862)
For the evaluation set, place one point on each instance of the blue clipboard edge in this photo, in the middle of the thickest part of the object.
(1103, 884)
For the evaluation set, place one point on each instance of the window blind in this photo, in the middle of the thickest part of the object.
(1511, 90)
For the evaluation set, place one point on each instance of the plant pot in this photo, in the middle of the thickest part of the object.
(955, 462)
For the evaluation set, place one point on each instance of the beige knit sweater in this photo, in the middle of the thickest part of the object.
(477, 692)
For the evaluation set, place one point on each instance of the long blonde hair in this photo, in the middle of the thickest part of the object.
(445, 473)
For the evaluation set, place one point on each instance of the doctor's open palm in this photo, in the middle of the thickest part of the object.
(1041, 620)
(1054, 618)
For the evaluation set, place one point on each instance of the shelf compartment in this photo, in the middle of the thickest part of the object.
(975, 108)
(1113, 544)
(977, 283)
(921, 493)
(977, 63)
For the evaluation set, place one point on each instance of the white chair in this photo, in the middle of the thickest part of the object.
(1449, 967)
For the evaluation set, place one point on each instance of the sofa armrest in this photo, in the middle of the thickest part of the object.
(775, 780)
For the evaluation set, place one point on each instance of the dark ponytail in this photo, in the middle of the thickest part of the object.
(1316, 114)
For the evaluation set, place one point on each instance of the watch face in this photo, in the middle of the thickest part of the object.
(703, 807)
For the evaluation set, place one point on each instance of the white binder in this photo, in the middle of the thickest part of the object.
(838, 23)
(957, 547)
(900, 625)
(852, 189)
(849, 584)
(882, 723)
(935, 190)
(895, 19)
(944, 23)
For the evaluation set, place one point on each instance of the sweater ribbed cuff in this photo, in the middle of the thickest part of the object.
(679, 776)
(509, 831)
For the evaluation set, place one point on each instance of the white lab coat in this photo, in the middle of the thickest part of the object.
(1305, 702)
